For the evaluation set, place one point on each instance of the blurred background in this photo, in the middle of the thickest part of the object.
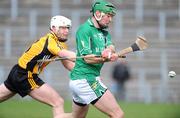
(24, 21)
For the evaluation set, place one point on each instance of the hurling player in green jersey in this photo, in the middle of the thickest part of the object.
(93, 39)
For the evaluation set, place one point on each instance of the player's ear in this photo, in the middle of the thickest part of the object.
(98, 14)
(53, 28)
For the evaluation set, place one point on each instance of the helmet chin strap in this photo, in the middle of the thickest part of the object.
(98, 19)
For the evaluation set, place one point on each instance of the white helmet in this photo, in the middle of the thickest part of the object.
(60, 21)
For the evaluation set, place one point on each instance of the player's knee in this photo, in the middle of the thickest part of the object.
(120, 114)
(117, 113)
(58, 102)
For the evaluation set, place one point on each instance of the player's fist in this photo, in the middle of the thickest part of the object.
(106, 53)
(114, 57)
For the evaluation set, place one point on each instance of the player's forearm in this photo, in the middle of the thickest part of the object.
(68, 64)
(66, 53)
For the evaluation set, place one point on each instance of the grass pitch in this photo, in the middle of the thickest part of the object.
(33, 109)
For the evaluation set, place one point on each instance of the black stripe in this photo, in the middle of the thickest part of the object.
(105, 38)
(94, 101)
(79, 104)
(135, 47)
(45, 49)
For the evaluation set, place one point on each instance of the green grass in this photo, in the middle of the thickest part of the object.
(33, 109)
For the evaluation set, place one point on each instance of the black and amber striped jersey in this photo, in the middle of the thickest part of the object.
(46, 47)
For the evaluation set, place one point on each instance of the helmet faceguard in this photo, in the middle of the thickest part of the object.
(60, 21)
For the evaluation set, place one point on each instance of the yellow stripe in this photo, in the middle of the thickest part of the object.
(31, 81)
(34, 83)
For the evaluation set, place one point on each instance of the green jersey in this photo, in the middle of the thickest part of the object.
(89, 40)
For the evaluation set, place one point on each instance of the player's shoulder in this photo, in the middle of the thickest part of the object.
(84, 27)
(50, 37)
(87, 25)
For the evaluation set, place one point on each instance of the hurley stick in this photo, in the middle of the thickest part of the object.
(139, 45)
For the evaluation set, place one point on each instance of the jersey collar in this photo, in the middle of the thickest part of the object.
(90, 22)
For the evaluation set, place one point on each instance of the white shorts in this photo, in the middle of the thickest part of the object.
(85, 91)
